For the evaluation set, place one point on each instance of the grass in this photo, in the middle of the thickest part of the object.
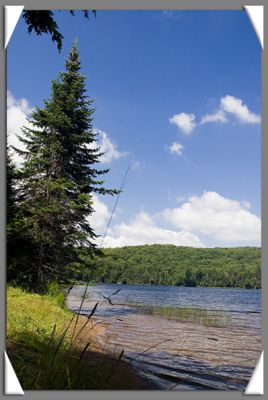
(35, 324)
(33, 315)
(187, 314)
(46, 353)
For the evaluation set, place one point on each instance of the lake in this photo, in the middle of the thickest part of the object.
(180, 337)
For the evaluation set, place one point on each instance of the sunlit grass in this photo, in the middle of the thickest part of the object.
(31, 314)
(46, 355)
(35, 327)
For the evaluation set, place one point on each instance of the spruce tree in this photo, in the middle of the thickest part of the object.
(11, 176)
(59, 176)
(19, 247)
(11, 215)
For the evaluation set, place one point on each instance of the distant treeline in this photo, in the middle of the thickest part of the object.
(172, 265)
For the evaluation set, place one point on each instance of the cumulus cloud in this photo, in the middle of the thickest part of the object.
(218, 217)
(217, 116)
(175, 148)
(184, 121)
(18, 110)
(235, 106)
(144, 230)
(107, 147)
(222, 220)
(100, 217)
(229, 105)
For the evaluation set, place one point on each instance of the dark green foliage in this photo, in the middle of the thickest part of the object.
(11, 209)
(42, 21)
(17, 245)
(57, 180)
(182, 266)
(11, 191)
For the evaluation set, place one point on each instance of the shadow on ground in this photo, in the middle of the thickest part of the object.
(47, 367)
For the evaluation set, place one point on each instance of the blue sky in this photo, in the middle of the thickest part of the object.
(177, 97)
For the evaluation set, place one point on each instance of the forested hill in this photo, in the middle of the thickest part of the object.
(187, 266)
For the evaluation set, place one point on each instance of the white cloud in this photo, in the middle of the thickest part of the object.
(220, 218)
(143, 230)
(184, 121)
(18, 110)
(176, 148)
(235, 106)
(100, 217)
(218, 116)
(107, 147)
(228, 105)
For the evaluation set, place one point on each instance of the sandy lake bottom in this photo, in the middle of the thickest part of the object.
(177, 354)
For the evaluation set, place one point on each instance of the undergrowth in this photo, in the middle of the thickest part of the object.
(45, 351)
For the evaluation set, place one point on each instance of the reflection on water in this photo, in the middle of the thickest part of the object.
(180, 354)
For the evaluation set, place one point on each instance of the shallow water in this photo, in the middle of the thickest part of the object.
(178, 354)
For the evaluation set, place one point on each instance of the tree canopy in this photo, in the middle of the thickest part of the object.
(173, 265)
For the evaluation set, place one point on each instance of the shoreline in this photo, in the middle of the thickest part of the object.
(207, 347)
(174, 350)
(47, 354)
(124, 376)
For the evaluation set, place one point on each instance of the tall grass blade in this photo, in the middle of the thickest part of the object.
(85, 324)
(84, 350)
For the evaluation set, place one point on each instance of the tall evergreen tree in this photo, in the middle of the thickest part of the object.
(59, 176)
(19, 247)
(11, 213)
(10, 187)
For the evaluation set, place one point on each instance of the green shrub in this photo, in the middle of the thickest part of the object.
(54, 291)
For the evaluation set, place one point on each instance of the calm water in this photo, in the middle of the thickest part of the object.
(176, 354)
